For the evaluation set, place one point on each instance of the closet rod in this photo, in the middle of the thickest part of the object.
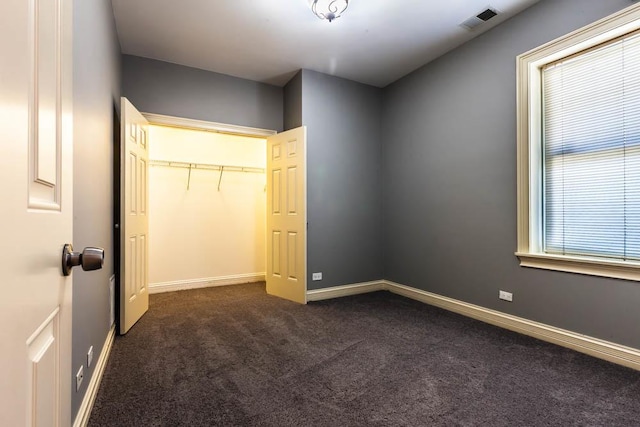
(205, 166)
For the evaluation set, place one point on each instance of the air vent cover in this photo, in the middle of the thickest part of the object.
(480, 18)
(487, 14)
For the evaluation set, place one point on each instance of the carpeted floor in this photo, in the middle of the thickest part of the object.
(234, 356)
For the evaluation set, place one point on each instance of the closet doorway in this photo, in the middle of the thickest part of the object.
(207, 206)
(226, 205)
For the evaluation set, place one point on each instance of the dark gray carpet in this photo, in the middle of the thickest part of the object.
(234, 356)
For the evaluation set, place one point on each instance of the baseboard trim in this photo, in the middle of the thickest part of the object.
(346, 290)
(595, 347)
(180, 285)
(82, 418)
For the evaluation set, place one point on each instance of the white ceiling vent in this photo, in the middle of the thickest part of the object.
(480, 18)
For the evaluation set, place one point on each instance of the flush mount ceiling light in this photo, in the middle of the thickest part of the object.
(329, 9)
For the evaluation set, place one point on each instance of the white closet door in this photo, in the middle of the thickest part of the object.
(287, 215)
(134, 216)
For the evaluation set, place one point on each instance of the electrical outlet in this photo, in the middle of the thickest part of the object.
(507, 296)
(89, 357)
(316, 276)
(79, 377)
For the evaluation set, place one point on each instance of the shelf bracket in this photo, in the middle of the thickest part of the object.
(220, 179)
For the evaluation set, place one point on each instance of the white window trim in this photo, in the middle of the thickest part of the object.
(529, 136)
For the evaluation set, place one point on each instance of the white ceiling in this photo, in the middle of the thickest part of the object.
(375, 42)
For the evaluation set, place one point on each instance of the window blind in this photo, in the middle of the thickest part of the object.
(591, 152)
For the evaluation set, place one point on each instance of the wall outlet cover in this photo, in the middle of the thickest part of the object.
(79, 377)
(89, 357)
(506, 296)
(316, 276)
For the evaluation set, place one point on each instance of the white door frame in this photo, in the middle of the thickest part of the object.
(180, 122)
(202, 125)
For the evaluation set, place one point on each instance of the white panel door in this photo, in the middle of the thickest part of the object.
(134, 216)
(287, 215)
(36, 179)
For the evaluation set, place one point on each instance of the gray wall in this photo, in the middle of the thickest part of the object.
(96, 88)
(343, 170)
(449, 168)
(292, 102)
(175, 90)
(343, 119)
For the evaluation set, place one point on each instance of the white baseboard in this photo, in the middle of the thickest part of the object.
(180, 285)
(82, 418)
(343, 291)
(595, 347)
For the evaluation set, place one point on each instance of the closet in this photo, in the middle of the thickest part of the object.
(207, 204)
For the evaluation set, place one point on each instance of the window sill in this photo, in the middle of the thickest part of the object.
(627, 270)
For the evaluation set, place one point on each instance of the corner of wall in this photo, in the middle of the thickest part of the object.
(292, 102)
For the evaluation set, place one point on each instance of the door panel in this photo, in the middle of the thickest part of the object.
(292, 256)
(43, 349)
(286, 230)
(134, 221)
(292, 194)
(276, 255)
(36, 183)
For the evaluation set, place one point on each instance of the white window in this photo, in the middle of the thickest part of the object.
(579, 151)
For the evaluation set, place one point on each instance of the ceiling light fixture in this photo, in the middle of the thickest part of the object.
(329, 9)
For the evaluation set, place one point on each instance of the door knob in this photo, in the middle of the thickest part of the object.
(90, 259)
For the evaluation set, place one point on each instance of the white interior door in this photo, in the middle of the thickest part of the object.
(287, 215)
(134, 218)
(36, 180)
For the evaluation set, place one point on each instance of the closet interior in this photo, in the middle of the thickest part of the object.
(207, 204)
